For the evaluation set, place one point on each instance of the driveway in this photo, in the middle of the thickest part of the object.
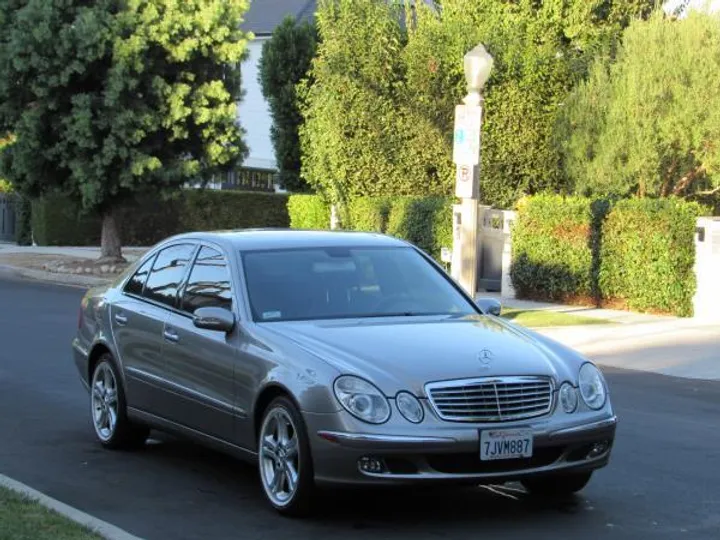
(663, 480)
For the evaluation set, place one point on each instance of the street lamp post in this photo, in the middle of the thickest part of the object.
(466, 155)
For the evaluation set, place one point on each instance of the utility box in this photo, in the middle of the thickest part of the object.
(706, 302)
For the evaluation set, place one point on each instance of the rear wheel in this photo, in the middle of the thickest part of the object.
(108, 409)
(284, 459)
(557, 485)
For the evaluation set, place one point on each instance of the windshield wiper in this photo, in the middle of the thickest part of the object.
(397, 314)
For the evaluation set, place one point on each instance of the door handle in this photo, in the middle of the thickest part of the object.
(121, 319)
(170, 335)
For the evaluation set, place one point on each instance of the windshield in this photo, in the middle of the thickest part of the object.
(330, 283)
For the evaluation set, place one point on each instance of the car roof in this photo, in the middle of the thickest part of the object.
(262, 239)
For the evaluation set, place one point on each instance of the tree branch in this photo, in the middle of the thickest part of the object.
(686, 180)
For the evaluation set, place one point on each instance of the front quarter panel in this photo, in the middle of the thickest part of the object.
(308, 379)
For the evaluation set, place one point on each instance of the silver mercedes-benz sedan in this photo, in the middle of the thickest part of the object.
(335, 358)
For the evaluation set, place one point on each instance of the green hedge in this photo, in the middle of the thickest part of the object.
(58, 221)
(555, 248)
(369, 214)
(424, 221)
(637, 254)
(648, 253)
(308, 212)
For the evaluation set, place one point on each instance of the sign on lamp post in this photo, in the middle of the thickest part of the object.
(466, 156)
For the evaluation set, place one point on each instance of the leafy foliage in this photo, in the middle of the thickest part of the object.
(379, 116)
(637, 253)
(5, 186)
(556, 248)
(369, 214)
(285, 61)
(356, 126)
(109, 99)
(648, 122)
(308, 212)
(56, 222)
(648, 253)
(423, 221)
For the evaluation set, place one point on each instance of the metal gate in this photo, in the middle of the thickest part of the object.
(493, 234)
(8, 220)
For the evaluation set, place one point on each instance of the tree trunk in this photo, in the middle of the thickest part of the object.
(110, 243)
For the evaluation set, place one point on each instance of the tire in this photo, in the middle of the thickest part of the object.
(284, 459)
(108, 409)
(559, 485)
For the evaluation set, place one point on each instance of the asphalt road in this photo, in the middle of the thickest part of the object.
(663, 480)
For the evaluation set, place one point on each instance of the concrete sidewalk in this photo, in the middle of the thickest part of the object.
(612, 315)
(130, 253)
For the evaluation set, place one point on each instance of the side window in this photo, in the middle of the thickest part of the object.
(209, 282)
(167, 273)
(136, 283)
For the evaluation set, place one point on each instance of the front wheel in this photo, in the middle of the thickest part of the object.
(559, 485)
(284, 459)
(107, 407)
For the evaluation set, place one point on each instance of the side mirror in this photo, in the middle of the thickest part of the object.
(489, 306)
(214, 318)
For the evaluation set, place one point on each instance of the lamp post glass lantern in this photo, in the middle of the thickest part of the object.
(477, 63)
(466, 154)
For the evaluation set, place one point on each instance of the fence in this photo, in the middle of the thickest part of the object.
(8, 220)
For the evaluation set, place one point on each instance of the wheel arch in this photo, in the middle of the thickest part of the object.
(265, 397)
(97, 350)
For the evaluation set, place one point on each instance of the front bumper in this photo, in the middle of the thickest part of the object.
(450, 453)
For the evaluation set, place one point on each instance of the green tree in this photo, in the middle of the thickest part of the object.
(648, 122)
(285, 61)
(541, 50)
(380, 114)
(114, 98)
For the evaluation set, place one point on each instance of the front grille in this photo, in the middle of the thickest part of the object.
(498, 399)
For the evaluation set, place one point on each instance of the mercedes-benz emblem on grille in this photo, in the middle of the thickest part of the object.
(485, 357)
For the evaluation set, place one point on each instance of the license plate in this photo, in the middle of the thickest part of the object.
(505, 444)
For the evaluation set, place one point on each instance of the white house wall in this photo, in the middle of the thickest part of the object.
(254, 113)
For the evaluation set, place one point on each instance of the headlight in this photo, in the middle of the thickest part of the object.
(592, 386)
(362, 399)
(410, 407)
(568, 398)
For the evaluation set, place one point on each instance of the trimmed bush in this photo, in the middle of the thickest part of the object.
(57, 221)
(648, 253)
(556, 248)
(308, 212)
(215, 210)
(369, 214)
(423, 221)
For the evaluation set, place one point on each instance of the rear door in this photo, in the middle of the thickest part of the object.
(200, 363)
(138, 318)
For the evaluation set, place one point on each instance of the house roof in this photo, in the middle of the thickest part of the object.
(266, 15)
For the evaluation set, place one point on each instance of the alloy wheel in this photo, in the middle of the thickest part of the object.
(279, 456)
(104, 401)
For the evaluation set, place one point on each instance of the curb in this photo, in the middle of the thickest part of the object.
(52, 277)
(103, 528)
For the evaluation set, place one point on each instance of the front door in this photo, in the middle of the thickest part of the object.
(200, 364)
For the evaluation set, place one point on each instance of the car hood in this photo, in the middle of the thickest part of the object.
(406, 353)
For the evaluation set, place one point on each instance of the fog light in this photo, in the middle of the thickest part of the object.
(598, 449)
(371, 465)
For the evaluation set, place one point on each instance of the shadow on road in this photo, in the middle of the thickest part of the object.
(426, 510)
